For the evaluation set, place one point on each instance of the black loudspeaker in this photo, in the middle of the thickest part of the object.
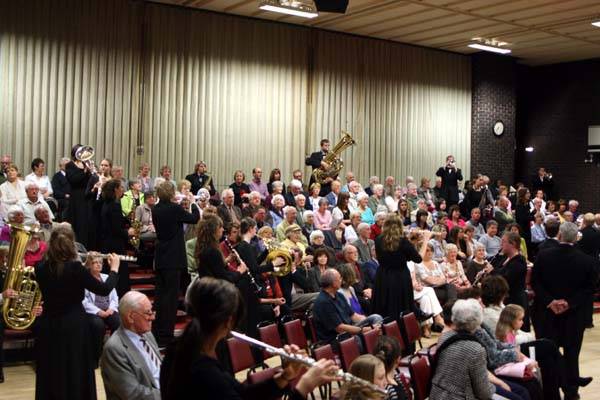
(333, 6)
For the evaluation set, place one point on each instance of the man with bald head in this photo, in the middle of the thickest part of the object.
(131, 360)
(33, 201)
(332, 313)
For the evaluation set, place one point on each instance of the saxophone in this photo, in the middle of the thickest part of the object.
(333, 159)
(137, 227)
(18, 311)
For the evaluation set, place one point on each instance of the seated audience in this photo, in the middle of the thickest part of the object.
(308, 224)
(348, 279)
(333, 315)
(35, 249)
(39, 177)
(332, 197)
(134, 197)
(340, 216)
(364, 244)
(366, 367)
(431, 274)
(300, 208)
(61, 188)
(393, 198)
(457, 238)
(322, 215)
(438, 242)
(228, 210)
(501, 214)
(377, 200)
(508, 326)
(388, 350)
(31, 202)
(12, 190)
(364, 284)
(131, 360)
(290, 214)
(454, 218)
(461, 370)
(476, 224)
(240, 188)
(428, 303)
(275, 176)
(314, 197)
(143, 214)
(101, 310)
(276, 212)
(350, 232)
(46, 225)
(453, 269)
(478, 266)
(15, 216)
(366, 215)
(378, 225)
(490, 241)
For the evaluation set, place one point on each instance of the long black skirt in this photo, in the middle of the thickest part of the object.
(64, 358)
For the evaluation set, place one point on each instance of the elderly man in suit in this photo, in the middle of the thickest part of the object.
(131, 360)
(563, 281)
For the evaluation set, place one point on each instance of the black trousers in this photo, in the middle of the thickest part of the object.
(446, 293)
(98, 329)
(551, 364)
(165, 304)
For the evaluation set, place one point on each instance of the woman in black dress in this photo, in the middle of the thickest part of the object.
(64, 351)
(513, 267)
(114, 232)
(191, 369)
(78, 216)
(93, 195)
(393, 291)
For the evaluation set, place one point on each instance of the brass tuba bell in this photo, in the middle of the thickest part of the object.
(276, 250)
(18, 311)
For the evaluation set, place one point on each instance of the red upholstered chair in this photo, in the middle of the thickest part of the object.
(349, 350)
(412, 330)
(294, 332)
(370, 340)
(270, 335)
(240, 355)
(420, 372)
(325, 351)
(310, 320)
(392, 329)
(262, 376)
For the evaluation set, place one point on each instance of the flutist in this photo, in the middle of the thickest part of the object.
(191, 366)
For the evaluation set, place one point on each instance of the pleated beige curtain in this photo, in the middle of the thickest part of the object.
(146, 82)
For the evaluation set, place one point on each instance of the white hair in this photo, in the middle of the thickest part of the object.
(296, 183)
(467, 315)
(288, 209)
(31, 185)
(568, 232)
(347, 248)
(276, 198)
(361, 226)
(253, 194)
(451, 247)
(374, 178)
(355, 214)
(411, 185)
(277, 184)
(306, 214)
(574, 203)
(13, 211)
(314, 234)
(380, 214)
(299, 196)
(130, 302)
(377, 187)
(227, 192)
(361, 196)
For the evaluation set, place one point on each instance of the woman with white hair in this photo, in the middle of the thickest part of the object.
(15, 215)
(12, 190)
(323, 217)
(308, 223)
(461, 370)
(351, 231)
(377, 200)
(366, 215)
(277, 204)
(300, 200)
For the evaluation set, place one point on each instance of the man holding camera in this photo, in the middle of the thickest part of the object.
(450, 176)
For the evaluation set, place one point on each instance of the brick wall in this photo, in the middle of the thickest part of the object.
(494, 98)
(556, 105)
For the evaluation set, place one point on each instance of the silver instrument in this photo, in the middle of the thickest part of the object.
(309, 362)
(105, 256)
(85, 155)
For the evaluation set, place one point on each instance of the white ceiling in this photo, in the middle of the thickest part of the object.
(539, 31)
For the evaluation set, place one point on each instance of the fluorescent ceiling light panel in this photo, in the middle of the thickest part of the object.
(276, 7)
(493, 49)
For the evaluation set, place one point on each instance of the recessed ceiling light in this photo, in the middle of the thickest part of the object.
(486, 47)
(299, 8)
(529, 149)
(596, 23)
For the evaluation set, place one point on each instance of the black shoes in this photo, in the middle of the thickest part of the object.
(583, 382)
(437, 328)
(421, 316)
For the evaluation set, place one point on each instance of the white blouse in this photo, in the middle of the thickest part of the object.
(10, 194)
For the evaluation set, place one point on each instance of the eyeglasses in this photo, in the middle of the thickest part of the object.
(149, 313)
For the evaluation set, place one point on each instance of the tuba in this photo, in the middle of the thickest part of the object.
(333, 159)
(18, 311)
(276, 250)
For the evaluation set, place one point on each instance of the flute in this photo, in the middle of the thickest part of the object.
(104, 256)
(309, 362)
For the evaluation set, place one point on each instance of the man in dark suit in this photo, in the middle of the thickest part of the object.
(563, 280)
(228, 211)
(590, 237)
(170, 258)
(551, 225)
(543, 181)
(315, 160)
(61, 189)
(199, 179)
(450, 176)
(295, 187)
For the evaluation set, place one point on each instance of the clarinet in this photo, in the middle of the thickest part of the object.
(255, 286)
(348, 378)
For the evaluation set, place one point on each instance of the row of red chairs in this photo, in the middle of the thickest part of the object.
(413, 364)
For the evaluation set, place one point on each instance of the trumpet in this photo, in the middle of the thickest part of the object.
(105, 256)
(346, 377)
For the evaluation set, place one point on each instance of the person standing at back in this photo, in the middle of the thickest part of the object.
(450, 177)
(169, 258)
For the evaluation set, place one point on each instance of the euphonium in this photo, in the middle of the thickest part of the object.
(18, 311)
(137, 227)
(276, 250)
(333, 159)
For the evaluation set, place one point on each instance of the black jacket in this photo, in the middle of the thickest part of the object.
(113, 233)
(290, 201)
(168, 219)
(198, 181)
(450, 178)
(60, 186)
(590, 242)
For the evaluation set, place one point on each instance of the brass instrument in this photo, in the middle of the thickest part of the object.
(206, 184)
(277, 250)
(333, 159)
(137, 227)
(85, 155)
(374, 391)
(83, 256)
(18, 311)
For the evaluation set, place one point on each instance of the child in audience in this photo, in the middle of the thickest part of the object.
(509, 325)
